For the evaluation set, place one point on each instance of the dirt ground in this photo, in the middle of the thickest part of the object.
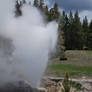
(52, 86)
(79, 66)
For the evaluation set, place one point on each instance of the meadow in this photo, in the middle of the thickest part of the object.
(78, 64)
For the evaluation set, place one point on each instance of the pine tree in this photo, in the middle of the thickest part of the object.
(56, 7)
(51, 15)
(46, 11)
(76, 32)
(61, 37)
(36, 3)
(18, 11)
(41, 4)
(72, 31)
(66, 31)
(56, 12)
(90, 25)
(90, 36)
(69, 31)
(63, 18)
(70, 18)
(85, 33)
(66, 83)
(61, 44)
(24, 1)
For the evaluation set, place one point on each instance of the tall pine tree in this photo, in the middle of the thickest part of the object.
(56, 12)
(90, 36)
(36, 3)
(85, 33)
(41, 4)
(18, 6)
(76, 33)
(24, 1)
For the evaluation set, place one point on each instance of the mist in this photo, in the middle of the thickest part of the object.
(28, 41)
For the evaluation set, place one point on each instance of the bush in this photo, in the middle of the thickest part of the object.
(66, 83)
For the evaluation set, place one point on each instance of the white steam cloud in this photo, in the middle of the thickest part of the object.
(32, 39)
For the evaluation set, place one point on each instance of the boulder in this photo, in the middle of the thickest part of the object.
(20, 86)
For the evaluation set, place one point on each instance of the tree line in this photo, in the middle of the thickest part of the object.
(73, 33)
(77, 34)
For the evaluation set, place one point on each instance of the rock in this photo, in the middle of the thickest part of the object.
(42, 89)
(20, 86)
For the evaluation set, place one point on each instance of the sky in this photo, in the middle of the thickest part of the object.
(83, 6)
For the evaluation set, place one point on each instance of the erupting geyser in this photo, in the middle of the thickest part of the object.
(30, 40)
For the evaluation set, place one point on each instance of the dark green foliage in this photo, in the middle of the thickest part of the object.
(72, 29)
(71, 18)
(54, 13)
(51, 15)
(41, 4)
(76, 32)
(36, 4)
(78, 86)
(85, 32)
(66, 83)
(61, 43)
(24, 1)
(77, 35)
(18, 6)
(66, 31)
(90, 36)
(46, 10)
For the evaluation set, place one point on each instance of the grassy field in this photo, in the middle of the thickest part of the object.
(79, 64)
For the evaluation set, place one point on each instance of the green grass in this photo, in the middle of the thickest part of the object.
(89, 52)
(79, 64)
(60, 69)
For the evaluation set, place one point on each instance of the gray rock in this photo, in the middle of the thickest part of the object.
(20, 86)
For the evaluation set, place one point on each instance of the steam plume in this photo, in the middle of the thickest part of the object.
(30, 40)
